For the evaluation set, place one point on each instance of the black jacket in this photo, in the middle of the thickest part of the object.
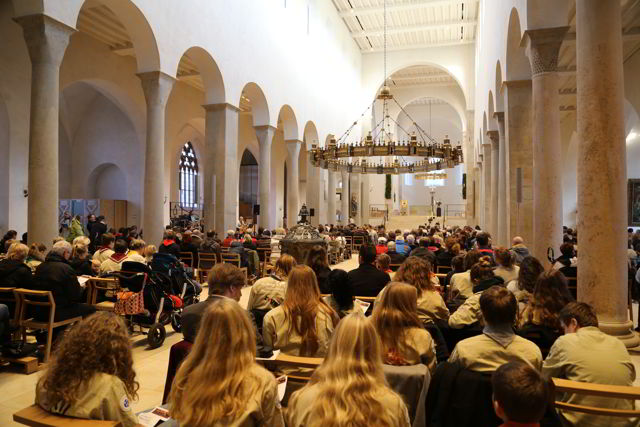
(444, 258)
(82, 266)
(425, 254)
(367, 281)
(56, 275)
(15, 274)
(173, 249)
(323, 280)
(396, 258)
(96, 232)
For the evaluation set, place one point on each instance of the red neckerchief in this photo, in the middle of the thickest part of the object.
(117, 257)
(168, 242)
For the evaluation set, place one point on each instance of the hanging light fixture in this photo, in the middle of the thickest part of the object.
(380, 143)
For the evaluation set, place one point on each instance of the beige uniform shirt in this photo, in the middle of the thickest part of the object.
(468, 313)
(461, 284)
(298, 413)
(103, 397)
(419, 344)
(507, 274)
(102, 254)
(430, 304)
(591, 356)
(267, 293)
(331, 302)
(109, 265)
(483, 354)
(279, 334)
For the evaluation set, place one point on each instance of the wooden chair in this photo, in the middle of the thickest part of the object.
(187, 258)
(35, 416)
(357, 242)
(40, 299)
(233, 258)
(349, 241)
(394, 267)
(264, 255)
(206, 262)
(8, 298)
(29, 364)
(443, 269)
(602, 390)
(224, 249)
(97, 284)
(298, 362)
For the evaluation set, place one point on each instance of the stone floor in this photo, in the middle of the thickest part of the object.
(17, 389)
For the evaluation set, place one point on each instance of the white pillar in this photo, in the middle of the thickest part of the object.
(293, 181)
(495, 166)
(344, 203)
(355, 194)
(313, 192)
(157, 87)
(364, 198)
(602, 177)
(503, 214)
(331, 196)
(221, 176)
(486, 185)
(542, 48)
(46, 40)
(265, 139)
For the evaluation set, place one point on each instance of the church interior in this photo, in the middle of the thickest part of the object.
(318, 161)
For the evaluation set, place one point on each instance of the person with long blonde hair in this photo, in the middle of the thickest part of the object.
(304, 323)
(220, 383)
(404, 339)
(91, 372)
(349, 388)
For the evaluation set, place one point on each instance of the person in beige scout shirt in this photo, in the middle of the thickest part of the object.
(349, 388)
(268, 292)
(220, 383)
(91, 372)
(586, 354)
(497, 344)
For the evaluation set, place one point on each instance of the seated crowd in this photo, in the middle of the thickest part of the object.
(453, 301)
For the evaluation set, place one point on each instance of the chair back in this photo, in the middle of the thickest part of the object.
(206, 260)
(601, 390)
(8, 298)
(35, 416)
(443, 269)
(357, 242)
(96, 284)
(572, 285)
(28, 297)
(231, 258)
(187, 258)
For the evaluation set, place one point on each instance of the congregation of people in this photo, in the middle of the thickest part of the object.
(445, 298)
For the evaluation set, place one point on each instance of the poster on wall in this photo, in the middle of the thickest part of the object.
(634, 202)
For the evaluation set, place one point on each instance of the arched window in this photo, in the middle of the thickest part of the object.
(188, 177)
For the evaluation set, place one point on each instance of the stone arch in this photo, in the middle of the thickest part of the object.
(209, 71)
(247, 182)
(484, 126)
(107, 181)
(288, 123)
(491, 110)
(258, 102)
(517, 65)
(499, 101)
(142, 37)
(4, 167)
(446, 100)
(310, 135)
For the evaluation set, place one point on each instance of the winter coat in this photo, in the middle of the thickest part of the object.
(75, 230)
(15, 274)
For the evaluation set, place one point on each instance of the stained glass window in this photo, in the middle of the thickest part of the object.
(188, 177)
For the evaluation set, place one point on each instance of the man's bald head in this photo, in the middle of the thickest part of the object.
(517, 240)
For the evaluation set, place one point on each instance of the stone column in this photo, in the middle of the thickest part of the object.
(344, 202)
(542, 49)
(486, 185)
(364, 198)
(495, 167)
(265, 138)
(602, 178)
(503, 212)
(355, 193)
(47, 41)
(221, 175)
(331, 197)
(313, 189)
(157, 87)
(293, 184)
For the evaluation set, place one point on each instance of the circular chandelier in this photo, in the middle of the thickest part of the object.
(431, 176)
(380, 143)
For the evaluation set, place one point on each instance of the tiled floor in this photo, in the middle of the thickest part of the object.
(17, 389)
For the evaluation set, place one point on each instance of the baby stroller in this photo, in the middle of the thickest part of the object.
(148, 304)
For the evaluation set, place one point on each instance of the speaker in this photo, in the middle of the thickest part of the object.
(464, 186)
(256, 209)
(312, 212)
(519, 185)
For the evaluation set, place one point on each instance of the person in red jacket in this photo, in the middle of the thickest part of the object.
(381, 247)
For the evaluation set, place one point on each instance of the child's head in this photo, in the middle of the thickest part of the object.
(383, 262)
(520, 394)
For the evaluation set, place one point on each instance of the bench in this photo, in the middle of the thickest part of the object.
(602, 390)
(35, 416)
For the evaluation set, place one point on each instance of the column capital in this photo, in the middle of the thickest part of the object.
(543, 46)
(516, 83)
(46, 38)
(156, 86)
(499, 116)
(221, 106)
(264, 128)
(293, 141)
(493, 135)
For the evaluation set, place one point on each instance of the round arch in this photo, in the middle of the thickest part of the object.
(491, 110)
(499, 100)
(259, 105)
(517, 65)
(310, 135)
(209, 72)
(107, 181)
(288, 123)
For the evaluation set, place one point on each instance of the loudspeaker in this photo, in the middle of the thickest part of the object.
(464, 186)
(312, 212)
(256, 209)
(519, 185)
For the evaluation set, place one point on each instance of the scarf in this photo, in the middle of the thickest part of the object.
(502, 334)
(118, 257)
(168, 242)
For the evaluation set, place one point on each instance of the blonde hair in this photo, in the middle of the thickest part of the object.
(350, 379)
(137, 244)
(416, 271)
(301, 304)
(18, 252)
(215, 380)
(393, 316)
(79, 250)
(82, 240)
(149, 250)
(284, 265)
(57, 239)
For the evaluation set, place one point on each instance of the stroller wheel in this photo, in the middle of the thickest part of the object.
(176, 321)
(156, 335)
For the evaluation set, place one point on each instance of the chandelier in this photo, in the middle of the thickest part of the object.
(380, 143)
(431, 176)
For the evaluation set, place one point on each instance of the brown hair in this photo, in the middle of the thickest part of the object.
(498, 305)
(521, 392)
(415, 271)
(471, 258)
(98, 344)
(383, 261)
(530, 269)
(301, 305)
(581, 311)
(223, 276)
(481, 270)
(504, 257)
(284, 264)
(550, 296)
(396, 313)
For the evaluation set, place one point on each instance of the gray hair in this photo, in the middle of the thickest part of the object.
(61, 247)
(391, 245)
(411, 238)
